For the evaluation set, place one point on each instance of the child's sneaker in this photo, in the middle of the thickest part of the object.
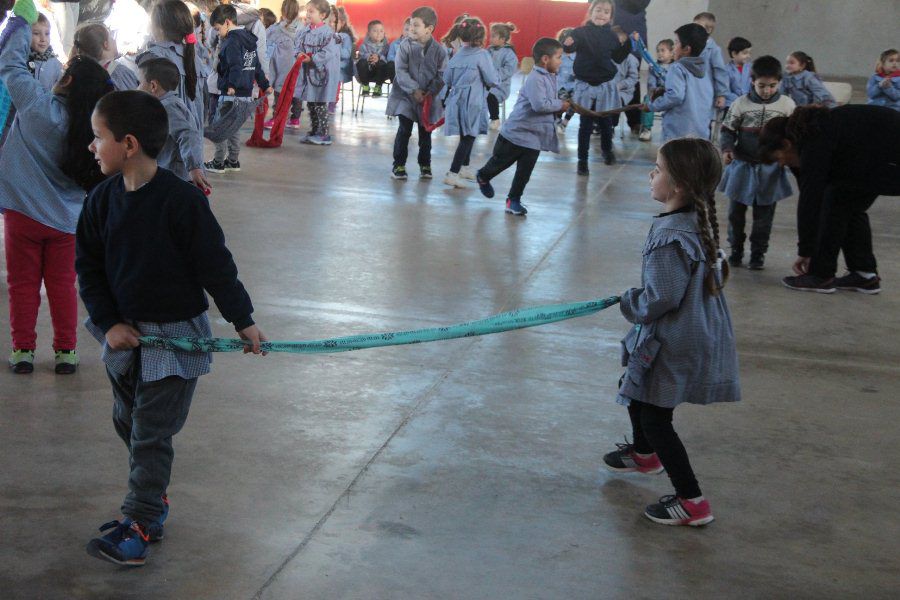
(425, 172)
(293, 123)
(269, 124)
(672, 510)
(21, 362)
(609, 158)
(155, 530)
(626, 460)
(215, 166)
(364, 90)
(376, 93)
(399, 173)
(854, 282)
(454, 180)
(757, 262)
(66, 362)
(583, 168)
(644, 135)
(467, 173)
(486, 188)
(320, 140)
(232, 166)
(495, 124)
(514, 207)
(125, 543)
(810, 283)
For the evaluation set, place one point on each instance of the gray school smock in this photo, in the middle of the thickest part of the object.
(532, 121)
(469, 76)
(686, 102)
(183, 151)
(805, 87)
(320, 77)
(345, 43)
(682, 348)
(281, 38)
(418, 67)
(368, 48)
(48, 72)
(392, 49)
(174, 51)
(506, 63)
(746, 180)
(566, 75)
(879, 96)
(627, 78)
(122, 77)
(36, 144)
(715, 67)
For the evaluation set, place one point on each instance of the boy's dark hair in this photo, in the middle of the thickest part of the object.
(545, 47)
(373, 23)
(668, 43)
(472, 31)
(427, 14)
(163, 71)
(765, 66)
(222, 13)
(136, 113)
(738, 44)
(705, 16)
(90, 82)
(692, 35)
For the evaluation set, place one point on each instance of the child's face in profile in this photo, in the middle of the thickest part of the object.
(406, 29)
(792, 65)
(765, 87)
(496, 40)
(107, 151)
(40, 37)
(418, 31)
(742, 57)
(601, 14)
(313, 14)
(552, 62)
(681, 51)
(664, 54)
(376, 33)
(222, 29)
(661, 188)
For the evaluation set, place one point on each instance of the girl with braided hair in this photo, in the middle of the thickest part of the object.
(681, 348)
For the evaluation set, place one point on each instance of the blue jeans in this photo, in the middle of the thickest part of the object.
(146, 416)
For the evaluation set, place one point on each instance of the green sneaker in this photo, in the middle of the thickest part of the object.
(21, 361)
(425, 172)
(364, 91)
(66, 362)
(376, 92)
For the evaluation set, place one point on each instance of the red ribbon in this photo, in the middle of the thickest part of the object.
(426, 114)
(190, 39)
(282, 110)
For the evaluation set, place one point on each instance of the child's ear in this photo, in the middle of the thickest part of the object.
(132, 146)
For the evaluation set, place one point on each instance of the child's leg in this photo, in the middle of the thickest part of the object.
(221, 151)
(493, 107)
(656, 424)
(313, 117)
(363, 71)
(390, 70)
(606, 134)
(639, 440)
(321, 109)
(585, 130)
(527, 159)
(234, 146)
(762, 229)
(296, 108)
(59, 280)
(401, 141)
(463, 151)
(737, 222)
(213, 107)
(23, 239)
(382, 73)
(424, 147)
(504, 156)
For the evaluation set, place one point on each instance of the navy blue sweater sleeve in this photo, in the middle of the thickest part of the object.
(91, 268)
(231, 60)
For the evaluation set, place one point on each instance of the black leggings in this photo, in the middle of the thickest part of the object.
(366, 73)
(401, 143)
(493, 107)
(586, 130)
(463, 153)
(652, 429)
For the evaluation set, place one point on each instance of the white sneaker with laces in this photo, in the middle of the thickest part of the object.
(645, 135)
(467, 173)
(453, 179)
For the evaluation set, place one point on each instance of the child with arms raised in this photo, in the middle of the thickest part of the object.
(470, 73)
(681, 348)
(420, 63)
(529, 128)
(132, 289)
(506, 63)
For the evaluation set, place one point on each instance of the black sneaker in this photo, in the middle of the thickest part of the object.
(609, 158)
(735, 260)
(215, 166)
(671, 510)
(425, 172)
(514, 207)
(854, 282)
(487, 190)
(399, 173)
(810, 283)
(583, 168)
(232, 165)
(757, 262)
(625, 460)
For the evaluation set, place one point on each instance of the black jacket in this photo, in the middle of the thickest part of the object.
(239, 65)
(597, 49)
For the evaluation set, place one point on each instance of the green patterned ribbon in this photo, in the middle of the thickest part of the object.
(508, 321)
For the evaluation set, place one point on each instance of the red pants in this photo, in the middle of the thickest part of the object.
(35, 253)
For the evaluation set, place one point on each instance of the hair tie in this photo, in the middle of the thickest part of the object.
(190, 39)
(463, 25)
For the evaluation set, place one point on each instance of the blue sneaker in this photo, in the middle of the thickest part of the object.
(514, 207)
(125, 543)
(320, 140)
(155, 530)
(485, 186)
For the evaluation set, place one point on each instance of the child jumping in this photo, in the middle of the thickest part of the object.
(681, 348)
(420, 63)
(95, 41)
(747, 180)
(802, 83)
(132, 289)
(506, 64)
(883, 87)
(46, 171)
(320, 76)
(469, 76)
(372, 66)
(529, 128)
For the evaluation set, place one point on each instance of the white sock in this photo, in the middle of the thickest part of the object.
(865, 274)
(639, 455)
(696, 500)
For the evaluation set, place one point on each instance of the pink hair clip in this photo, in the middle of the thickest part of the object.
(190, 39)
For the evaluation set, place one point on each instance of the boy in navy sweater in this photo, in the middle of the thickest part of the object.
(147, 247)
(237, 69)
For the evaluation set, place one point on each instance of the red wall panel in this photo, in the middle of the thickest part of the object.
(534, 18)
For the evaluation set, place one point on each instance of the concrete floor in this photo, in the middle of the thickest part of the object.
(470, 468)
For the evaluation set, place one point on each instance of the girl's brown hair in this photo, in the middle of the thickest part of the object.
(879, 66)
(90, 39)
(323, 6)
(290, 10)
(471, 31)
(805, 59)
(564, 33)
(453, 34)
(695, 168)
(504, 30)
(339, 14)
(267, 17)
(172, 19)
(597, 3)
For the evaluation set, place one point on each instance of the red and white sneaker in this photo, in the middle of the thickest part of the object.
(626, 460)
(293, 123)
(269, 124)
(672, 510)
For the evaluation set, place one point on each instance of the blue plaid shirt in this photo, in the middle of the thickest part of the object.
(157, 363)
